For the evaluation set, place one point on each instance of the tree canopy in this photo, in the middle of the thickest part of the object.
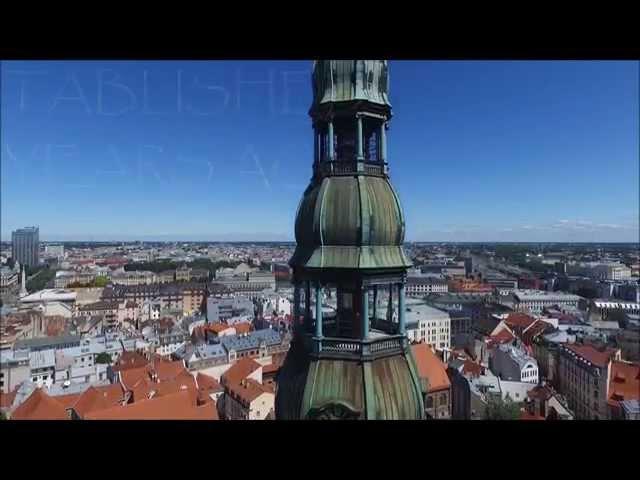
(498, 409)
(103, 357)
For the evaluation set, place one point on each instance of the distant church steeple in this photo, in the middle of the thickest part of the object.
(23, 288)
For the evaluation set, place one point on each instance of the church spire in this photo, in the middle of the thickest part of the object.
(23, 288)
(349, 232)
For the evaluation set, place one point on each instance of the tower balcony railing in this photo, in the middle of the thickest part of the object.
(355, 349)
(349, 168)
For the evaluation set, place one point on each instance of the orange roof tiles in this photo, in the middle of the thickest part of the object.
(98, 398)
(40, 406)
(242, 327)
(625, 382)
(205, 382)
(247, 390)
(6, 399)
(130, 360)
(175, 406)
(168, 370)
(519, 319)
(503, 336)
(271, 368)
(217, 327)
(430, 367)
(240, 370)
(592, 354)
(133, 377)
(67, 401)
(471, 368)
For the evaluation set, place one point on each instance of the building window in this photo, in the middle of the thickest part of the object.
(429, 402)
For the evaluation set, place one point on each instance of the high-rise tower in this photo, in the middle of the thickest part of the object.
(25, 246)
(352, 361)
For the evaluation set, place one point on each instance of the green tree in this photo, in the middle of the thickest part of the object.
(103, 357)
(498, 409)
(41, 280)
(101, 281)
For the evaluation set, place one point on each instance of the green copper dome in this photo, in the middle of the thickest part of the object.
(386, 388)
(353, 362)
(349, 80)
(350, 222)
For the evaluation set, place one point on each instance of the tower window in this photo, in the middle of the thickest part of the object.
(371, 134)
(345, 139)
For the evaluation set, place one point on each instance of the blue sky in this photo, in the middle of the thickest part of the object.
(479, 151)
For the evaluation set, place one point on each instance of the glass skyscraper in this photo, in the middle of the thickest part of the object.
(25, 246)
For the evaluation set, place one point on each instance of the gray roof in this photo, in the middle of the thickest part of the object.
(74, 388)
(517, 355)
(46, 341)
(42, 359)
(488, 383)
(211, 351)
(11, 356)
(251, 340)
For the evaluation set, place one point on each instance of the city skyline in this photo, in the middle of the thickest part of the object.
(484, 151)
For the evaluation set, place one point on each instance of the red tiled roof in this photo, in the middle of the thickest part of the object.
(242, 327)
(471, 368)
(40, 406)
(592, 354)
(247, 390)
(133, 377)
(130, 360)
(271, 368)
(217, 327)
(625, 382)
(430, 367)
(240, 370)
(176, 406)
(67, 401)
(168, 370)
(6, 399)
(503, 336)
(518, 319)
(207, 383)
(98, 398)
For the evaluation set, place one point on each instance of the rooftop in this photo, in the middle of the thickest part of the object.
(40, 406)
(625, 381)
(240, 370)
(430, 367)
(42, 359)
(175, 406)
(588, 352)
(539, 295)
(50, 295)
(251, 340)
(247, 389)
